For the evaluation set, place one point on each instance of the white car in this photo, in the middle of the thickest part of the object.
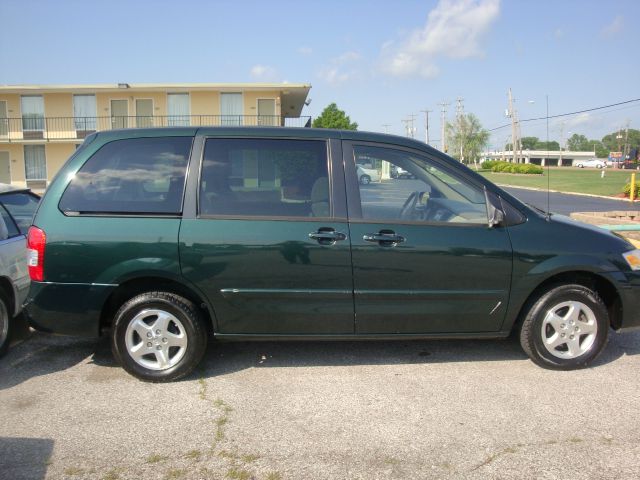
(591, 163)
(367, 175)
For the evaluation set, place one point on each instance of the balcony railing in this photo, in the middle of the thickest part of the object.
(73, 128)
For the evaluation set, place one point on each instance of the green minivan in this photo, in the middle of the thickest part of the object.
(164, 238)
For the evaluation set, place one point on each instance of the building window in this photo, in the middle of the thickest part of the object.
(178, 109)
(32, 112)
(231, 109)
(84, 112)
(35, 164)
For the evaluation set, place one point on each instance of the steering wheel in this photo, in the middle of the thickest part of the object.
(408, 210)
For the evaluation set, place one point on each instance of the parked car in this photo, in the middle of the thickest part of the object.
(399, 172)
(367, 175)
(162, 237)
(17, 206)
(591, 163)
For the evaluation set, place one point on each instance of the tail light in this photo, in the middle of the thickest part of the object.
(36, 241)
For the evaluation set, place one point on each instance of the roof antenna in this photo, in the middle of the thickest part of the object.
(547, 162)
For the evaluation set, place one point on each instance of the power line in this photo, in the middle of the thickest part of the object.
(567, 114)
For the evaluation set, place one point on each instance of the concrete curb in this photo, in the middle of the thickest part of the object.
(568, 193)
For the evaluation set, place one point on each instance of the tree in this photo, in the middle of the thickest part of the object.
(551, 146)
(534, 143)
(578, 143)
(466, 138)
(529, 143)
(599, 148)
(610, 142)
(333, 117)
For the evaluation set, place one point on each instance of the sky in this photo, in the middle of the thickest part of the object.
(380, 61)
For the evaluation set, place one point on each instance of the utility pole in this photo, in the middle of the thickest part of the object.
(386, 127)
(408, 125)
(514, 129)
(443, 121)
(626, 143)
(426, 125)
(459, 120)
(619, 138)
(561, 143)
(459, 108)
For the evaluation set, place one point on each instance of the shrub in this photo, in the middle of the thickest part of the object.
(488, 164)
(627, 190)
(507, 167)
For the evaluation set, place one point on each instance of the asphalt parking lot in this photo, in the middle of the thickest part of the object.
(344, 410)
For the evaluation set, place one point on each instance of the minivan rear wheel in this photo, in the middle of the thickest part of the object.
(159, 336)
(565, 328)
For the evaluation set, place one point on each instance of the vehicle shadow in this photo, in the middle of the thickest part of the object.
(24, 458)
(43, 354)
(228, 357)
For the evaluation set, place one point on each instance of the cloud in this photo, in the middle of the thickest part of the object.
(454, 29)
(304, 50)
(340, 69)
(263, 72)
(615, 26)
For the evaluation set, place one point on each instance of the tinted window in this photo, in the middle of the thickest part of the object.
(22, 206)
(403, 186)
(138, 175)
(283, 178)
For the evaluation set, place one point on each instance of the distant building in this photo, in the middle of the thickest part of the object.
(563, 158)
(42, 125)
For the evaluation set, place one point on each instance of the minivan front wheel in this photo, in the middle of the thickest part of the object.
(565, 328)
(158, 336)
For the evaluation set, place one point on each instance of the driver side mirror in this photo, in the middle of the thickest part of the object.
(495, 215)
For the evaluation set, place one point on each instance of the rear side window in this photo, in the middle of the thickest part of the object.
(22, 206)
(137, 175)
(265, 178)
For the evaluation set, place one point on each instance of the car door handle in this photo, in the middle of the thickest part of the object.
(327, 236)
(384, 238)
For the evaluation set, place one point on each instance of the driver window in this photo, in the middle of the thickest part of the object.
(400, 186)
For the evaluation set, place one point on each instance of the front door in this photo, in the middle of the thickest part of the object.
(424, 259)
(119, 113)
(267, 112)
(5, 169)
(269, 245)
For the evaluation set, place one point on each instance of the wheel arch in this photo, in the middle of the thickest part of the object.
(149, 283)
(601, 285)
(8, 289)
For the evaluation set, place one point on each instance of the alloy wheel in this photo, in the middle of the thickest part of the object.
(156, 339)
(569, 329)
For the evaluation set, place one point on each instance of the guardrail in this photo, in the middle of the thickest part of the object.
(72, 128)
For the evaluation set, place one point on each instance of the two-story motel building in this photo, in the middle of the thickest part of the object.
(42, 125)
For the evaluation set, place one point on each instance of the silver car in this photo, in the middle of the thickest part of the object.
(17, 207)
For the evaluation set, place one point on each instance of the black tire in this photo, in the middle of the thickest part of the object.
(365, 179)
(187, 322)
(531, 332)
(5, 325)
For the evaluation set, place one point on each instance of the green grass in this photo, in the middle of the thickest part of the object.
(568, 179)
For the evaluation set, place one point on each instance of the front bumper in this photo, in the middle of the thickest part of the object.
(66, 308)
